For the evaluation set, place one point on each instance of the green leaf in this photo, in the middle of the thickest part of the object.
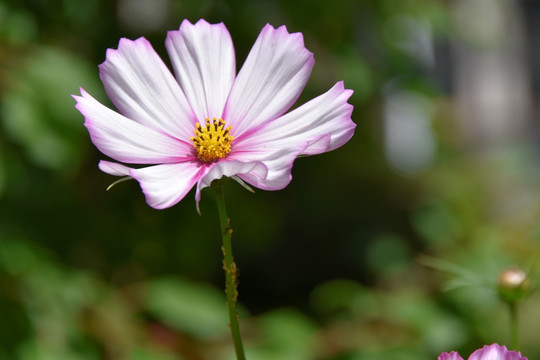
(196, 309)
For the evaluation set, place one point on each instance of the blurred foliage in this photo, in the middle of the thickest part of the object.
(328, 266)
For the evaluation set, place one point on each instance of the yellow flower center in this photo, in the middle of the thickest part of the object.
(213, 141)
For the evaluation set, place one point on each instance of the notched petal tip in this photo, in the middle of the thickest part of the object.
(83, 95)
(296, 37)
(203, 22)
(280, 30)
(271, 79)
(453, 355)
(340, 86)
(186, 24)
(112, 54)
(496, 351)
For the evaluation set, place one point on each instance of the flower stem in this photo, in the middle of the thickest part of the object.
(230, 271)
(514, 323)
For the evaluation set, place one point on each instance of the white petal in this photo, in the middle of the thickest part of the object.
(165, 185)
(114, 168)
(252, 170)
(320, 125)
(270, 81)
(203, 59)
(279, 164)
(126, 140)
(324, 124)
(143, 89)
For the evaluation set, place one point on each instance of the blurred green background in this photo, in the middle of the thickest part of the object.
(444, 163)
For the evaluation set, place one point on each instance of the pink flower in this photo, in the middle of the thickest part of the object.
(488, 352)
(207, 122)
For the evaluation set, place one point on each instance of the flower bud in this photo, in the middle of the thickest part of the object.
(513, 285)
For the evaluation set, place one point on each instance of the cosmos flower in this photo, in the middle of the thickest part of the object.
(205, 121)
(488, 352)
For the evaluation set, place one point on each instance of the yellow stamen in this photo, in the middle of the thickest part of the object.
(212, 141)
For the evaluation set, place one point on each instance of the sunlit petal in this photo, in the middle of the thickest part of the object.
(126, 140)
(113, 168)
(166, 184)
(254, 170)
(323, 124)
(270, 81)
(203, 59)
(143, 89)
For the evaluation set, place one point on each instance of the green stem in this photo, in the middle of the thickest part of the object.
(230, 271)
(514, 323)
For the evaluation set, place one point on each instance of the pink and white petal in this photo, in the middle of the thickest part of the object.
(270, 81)
(126, 140)
(495, 352)
(143, 89)
(320, 125)
(449, 356)
(165, 185)
(252, 170)
(113, 168)
(203, 59)
(279, 164)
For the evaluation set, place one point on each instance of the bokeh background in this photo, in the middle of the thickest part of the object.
(387, 248)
